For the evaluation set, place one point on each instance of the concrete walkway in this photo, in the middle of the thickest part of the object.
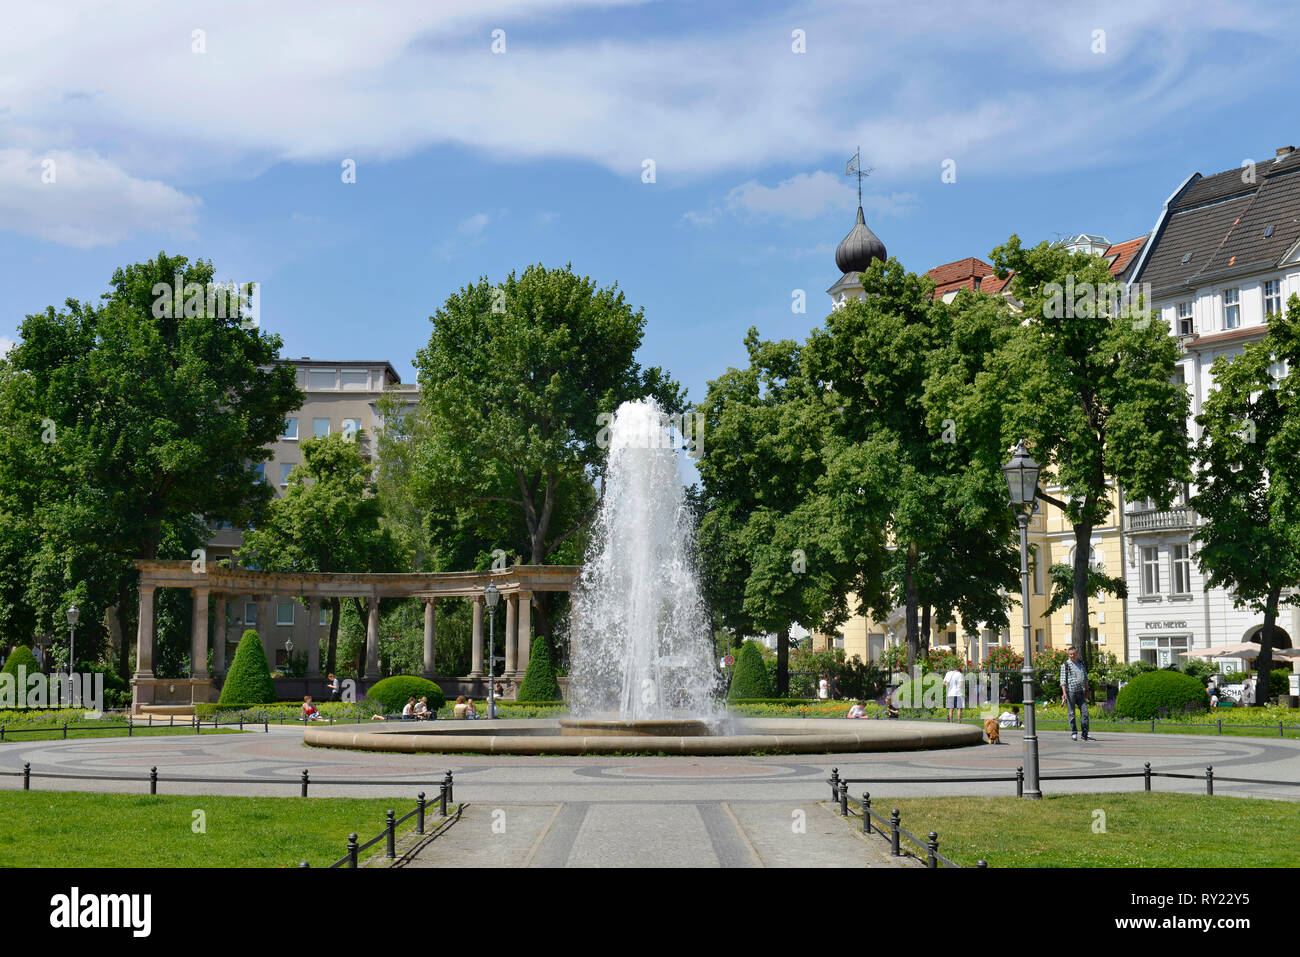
(679, 834)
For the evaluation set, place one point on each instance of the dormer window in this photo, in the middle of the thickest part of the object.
(1185, 325)
(1272, 297)
(1232, 308)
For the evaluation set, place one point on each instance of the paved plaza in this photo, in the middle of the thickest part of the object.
(645, 811)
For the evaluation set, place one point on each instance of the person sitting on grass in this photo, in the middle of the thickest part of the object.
(470, 711)
(309, 710)
(858, 710)
(422, 712)
(461, 707)
(1010, 719)
(408, 710)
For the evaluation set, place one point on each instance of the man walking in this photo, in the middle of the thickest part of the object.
(1074, 692)
(954, 686)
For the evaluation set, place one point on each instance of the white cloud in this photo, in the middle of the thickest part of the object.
(804, 196)
(474, 225)
(80, 199)
(5, 345)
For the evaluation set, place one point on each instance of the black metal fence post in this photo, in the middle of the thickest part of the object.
(1146, 776)
(1209, 780)
(27, 776)
(352, 850)
(197, 724)
(932, 851)
(419, 813)
(266, 725)
(153, 780)
(866, 812)
(442, 799)
(2, 733)
(1153, 725)
(894, 825)
(844, 799)
(1220, 726)
(65, 731)
(241, 721)
(130, 726)
(835, 784)
(1020, 781)
(390, 837)
(171, 721)
(451, 787)
(304, 782)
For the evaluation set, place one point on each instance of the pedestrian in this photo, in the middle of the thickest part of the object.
(954, 685)
(823, 688)
(334, 687)
(1074, 692)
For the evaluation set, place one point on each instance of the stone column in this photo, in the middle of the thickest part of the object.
(476, 642)
(525, 631)
(511, 641)
(144, 634)
(199, 636)
(313, 636)
(266, 627)
(219, 634)
(372, 639)
(430, 632)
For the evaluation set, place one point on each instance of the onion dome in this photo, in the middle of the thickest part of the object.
(859, 247)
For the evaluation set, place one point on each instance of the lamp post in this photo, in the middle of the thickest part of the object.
(1022, 482)
(492, 595)
(73, 614)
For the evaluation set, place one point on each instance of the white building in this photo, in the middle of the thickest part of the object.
(1224, 254)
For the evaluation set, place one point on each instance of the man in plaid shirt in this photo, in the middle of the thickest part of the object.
(1074, 692)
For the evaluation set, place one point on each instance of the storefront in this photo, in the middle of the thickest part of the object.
(1162, 643)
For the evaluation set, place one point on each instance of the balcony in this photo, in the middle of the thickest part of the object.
(1155, 520)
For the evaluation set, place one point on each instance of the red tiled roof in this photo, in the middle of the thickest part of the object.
(966, 268)
(1124, 253)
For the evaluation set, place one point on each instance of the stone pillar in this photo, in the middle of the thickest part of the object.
(525, 630)
(199, 636)
(430, 632)
(476, 642)
(511, 641)
(144, 634)
(313, 637)
(372, 638)
(219, 632)
(266, 627)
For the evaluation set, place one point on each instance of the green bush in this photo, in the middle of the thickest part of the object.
(1199, 668)
(1145, 695)
(539, 682)
(393, 693)
(750, 678)
(249, 679)
(22, 655)
(1278, 683)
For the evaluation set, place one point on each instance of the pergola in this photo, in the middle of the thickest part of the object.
(218, 585)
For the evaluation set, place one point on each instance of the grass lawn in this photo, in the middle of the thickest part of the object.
(1141, 830)
(89, 731)
(74, 829)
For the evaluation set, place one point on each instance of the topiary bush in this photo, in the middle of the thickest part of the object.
(1144, 696)
(750, 678)
(22, 655)
(249, 679)
(539, 682)
(391, 694)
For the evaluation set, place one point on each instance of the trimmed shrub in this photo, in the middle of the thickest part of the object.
(393, 693)
(1278, 682)
(22, 655)
(539, 682)
(249, 678)
(1145, 695)
(750, 679)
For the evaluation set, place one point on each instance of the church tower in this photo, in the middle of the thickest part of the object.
(854, 254)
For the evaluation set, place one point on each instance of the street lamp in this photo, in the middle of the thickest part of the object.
(1022, 482)
(73, 614)
(492, 594)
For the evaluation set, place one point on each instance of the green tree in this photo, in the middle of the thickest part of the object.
(20, 656)
(749, 679)
(1090, 390)
(249, 679)
(539, 682)
(513, 381)
(131, 425)
(326, 521)
(1248, 485)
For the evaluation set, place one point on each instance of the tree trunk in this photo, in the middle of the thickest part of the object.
(126, 626)
(332, 648)
(910, 602)
(1079, 625)
(924, 647)
(1264, 663)
(783, 662)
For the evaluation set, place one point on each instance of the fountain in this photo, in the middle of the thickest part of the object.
(640, 645)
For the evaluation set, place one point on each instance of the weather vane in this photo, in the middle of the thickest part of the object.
(855, 166)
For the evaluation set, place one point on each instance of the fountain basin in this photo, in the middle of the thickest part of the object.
(617, 727)
(744, 736)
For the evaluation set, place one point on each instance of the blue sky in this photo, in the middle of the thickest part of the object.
(474, 163)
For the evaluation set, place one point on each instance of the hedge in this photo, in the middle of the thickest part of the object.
(22, 655)
(393, 693)
(249, 679)
(1145, 696)
(750, 679)
(539, 682)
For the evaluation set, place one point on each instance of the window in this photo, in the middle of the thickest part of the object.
(290, 430)
(324, 616)
(354, 381)
(1185, 326)
(1035, 556)
(1151, 571)
(320, 426)
(1039, 640)
(259, 469)
(350, 429)
(250, 613)
(284, 612)
(1182, 570)
(1231, 308)
(322, 381)
(285, 469)
(1273, 297)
